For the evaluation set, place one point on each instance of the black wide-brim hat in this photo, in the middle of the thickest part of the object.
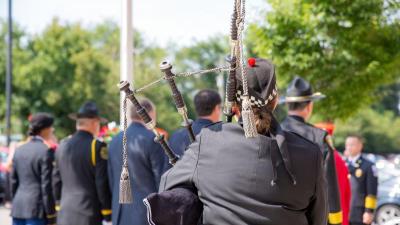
(261, 82)
(87, 110)
(299, 90)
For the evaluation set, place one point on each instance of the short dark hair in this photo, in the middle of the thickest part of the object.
(356, 136)
(146, 103)
(205, 102)
(293, 106)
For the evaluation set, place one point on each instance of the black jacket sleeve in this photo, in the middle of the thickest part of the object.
(335, 212)
(317, 210)
(101, 177)
(46, 168)
(14, 179)
(372, 189)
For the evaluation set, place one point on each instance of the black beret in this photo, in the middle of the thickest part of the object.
(261, 82)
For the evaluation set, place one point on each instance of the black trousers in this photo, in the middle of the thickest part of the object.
(357, 223)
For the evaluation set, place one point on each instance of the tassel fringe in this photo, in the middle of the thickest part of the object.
(125, 191)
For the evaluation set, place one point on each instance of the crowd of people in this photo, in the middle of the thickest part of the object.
(289, 174)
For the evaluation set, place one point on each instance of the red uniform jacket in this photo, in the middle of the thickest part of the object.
(344, 186)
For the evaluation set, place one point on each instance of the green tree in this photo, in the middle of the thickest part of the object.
(390, 98)
(347, 49)
(147, 59)
(381, 131)
(206, 54)
(63, 69)
(20, 57)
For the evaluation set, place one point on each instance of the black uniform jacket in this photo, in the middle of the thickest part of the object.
(180, 140)
(31, 182)
(146, 164)
(267, 180)
(297, 125)
(80, 180)
(364, 187)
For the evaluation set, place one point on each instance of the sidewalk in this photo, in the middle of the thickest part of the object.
(5, 218)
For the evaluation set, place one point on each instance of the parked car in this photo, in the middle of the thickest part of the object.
(388, 209)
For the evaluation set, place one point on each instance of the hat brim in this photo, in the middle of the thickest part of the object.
(291, 99)
(74, 116)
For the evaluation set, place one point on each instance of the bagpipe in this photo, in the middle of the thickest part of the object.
(236, 63)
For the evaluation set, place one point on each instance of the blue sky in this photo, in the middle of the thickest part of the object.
(180, 21)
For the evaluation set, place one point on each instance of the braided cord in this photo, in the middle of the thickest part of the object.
(201, 72)
(148, 85)
(240, 23)
(124, 140)
(184, 74)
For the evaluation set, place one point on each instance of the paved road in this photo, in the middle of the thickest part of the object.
(5, 218)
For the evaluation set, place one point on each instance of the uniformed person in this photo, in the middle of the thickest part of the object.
(299, 99)
(364, 183)
(33, 202)
(207, 104)
(273, 178)
(80, 175)
(146, 161)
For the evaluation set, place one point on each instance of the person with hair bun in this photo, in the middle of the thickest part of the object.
(272, 178)
(32, 201)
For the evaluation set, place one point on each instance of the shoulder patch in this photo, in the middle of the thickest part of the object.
(104, 152)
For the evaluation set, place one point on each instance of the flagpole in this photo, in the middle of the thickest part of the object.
(126, 50)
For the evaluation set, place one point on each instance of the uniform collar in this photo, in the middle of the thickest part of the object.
(37, 138)
(84, 132)
(356, 160)
(137, 124)
(297, 118)
(203, 121)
